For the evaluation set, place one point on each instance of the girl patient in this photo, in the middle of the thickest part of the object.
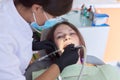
(65, 35)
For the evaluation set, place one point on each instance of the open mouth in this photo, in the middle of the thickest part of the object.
(66, 45)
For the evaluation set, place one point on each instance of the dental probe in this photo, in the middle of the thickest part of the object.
(52, 53)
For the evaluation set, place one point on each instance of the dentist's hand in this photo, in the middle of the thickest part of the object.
(39, 45)
(69, 56)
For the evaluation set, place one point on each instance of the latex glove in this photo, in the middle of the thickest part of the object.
(47, 45)
(69, 56)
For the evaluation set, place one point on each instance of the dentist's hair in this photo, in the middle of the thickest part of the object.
(53, 7)
(50, 35)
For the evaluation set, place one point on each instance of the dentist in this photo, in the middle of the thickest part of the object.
(18, 20)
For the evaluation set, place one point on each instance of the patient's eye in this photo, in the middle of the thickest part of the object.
(60, 36)
(72, 34)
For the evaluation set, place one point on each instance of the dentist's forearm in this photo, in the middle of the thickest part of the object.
(50, 74)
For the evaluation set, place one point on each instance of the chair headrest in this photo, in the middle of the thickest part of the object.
(94, 60)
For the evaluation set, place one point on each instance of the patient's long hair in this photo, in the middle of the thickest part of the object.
(50, 36)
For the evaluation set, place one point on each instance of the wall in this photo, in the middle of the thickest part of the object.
(111, 7)
(112, 51)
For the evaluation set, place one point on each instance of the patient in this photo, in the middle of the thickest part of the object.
(62, 34)
(65, 34)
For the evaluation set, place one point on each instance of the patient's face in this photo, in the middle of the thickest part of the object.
(64, 35)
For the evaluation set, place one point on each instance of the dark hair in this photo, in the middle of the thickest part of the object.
(53, 7)
(50, 35)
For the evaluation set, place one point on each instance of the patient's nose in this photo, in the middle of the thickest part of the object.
(67, 37)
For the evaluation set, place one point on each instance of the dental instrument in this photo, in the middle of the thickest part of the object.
(84, 61)
(52, 53)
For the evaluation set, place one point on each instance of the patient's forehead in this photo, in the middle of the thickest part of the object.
(63, 28)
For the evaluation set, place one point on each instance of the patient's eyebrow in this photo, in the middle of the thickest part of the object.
(62, 32)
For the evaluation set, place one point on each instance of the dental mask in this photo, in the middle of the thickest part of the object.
(48, 23)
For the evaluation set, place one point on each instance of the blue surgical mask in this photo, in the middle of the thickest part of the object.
(48, 23)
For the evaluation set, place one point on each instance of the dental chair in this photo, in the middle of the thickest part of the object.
(94, 60)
